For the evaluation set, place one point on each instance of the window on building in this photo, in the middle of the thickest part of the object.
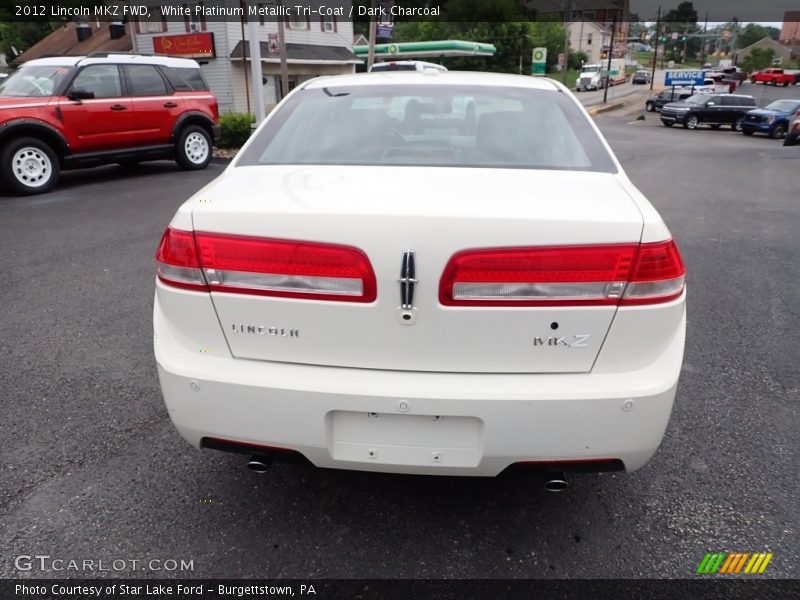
(328, 24)
(150, 26)
(193, 21)
(589, 39)
(145, 80)
(298, 22)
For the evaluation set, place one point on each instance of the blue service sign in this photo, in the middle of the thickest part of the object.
(684, 77)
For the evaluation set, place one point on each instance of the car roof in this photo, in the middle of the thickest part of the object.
(435, 77)
(121, 58)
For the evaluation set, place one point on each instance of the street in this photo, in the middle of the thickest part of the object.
(93, 468)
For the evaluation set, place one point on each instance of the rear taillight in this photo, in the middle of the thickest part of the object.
(659, 275)
(564, 276)
(178, 264)
(283, 268)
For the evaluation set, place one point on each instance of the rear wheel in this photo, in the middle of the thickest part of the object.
(649, 107)
(29, 166)
(193, 148)
(737, 125)
(691, 122)
(778, 131)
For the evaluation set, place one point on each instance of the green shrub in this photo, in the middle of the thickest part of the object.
(235, 129)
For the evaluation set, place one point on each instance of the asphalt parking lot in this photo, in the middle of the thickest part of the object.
(93, 469)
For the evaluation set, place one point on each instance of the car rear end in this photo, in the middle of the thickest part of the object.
(413, 310)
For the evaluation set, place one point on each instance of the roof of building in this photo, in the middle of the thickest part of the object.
(64, 40)
(301, 53)
(766, 41)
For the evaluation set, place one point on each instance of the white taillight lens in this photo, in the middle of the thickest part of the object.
(564, 276)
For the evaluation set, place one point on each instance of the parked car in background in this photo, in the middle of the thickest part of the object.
(702, 109)
(547, 331)
(773, 77)
(793, 134)
(657, 101)
(82, 111)
(773, 119)
(641, 77)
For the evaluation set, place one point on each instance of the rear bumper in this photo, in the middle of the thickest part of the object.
(414, 422)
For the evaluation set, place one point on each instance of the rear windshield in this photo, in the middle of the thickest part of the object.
(430, 125)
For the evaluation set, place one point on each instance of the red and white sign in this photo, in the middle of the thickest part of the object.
(191, 45)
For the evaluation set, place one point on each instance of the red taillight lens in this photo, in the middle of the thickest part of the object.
(563, 276)
(270, 267)
(659, 275)
(178, 264)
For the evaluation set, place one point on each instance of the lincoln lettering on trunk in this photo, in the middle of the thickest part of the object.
(264, 330)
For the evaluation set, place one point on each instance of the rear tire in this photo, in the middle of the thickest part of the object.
(649, 107)
(737, 125)
(29, 166)
(193, 148)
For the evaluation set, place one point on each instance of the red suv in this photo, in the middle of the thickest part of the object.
(73, 112)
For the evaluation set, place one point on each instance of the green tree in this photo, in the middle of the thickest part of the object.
(757, 59)
(22, 35)
(753, 33)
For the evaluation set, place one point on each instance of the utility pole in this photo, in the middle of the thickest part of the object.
(655, 51)
(373, 31)
(282, 45)
(568, 6)
(255, 70)
(610, 54)
(703, 46)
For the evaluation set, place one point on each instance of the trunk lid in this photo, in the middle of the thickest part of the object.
(435, 212)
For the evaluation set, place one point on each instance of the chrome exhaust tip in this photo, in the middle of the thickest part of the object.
(555, 482)
(259, 464)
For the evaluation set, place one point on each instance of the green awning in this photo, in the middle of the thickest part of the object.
(420, 49)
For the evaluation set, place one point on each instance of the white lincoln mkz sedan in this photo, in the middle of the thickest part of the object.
(423, 272)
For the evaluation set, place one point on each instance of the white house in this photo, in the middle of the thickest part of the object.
(589, 37)
(314, 46)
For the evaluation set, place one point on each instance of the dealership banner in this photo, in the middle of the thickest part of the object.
(389, 589)
(384, 11)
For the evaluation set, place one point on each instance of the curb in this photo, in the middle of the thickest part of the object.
(595, 110)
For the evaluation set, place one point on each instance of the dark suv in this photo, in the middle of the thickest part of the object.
(657, 101)
(73, 112)
(714, 110)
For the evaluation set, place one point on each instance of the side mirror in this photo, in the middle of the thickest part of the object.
(80, 94)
